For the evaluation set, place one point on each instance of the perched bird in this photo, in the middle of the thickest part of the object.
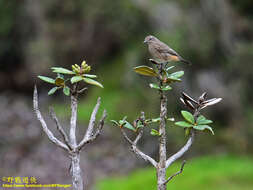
(161, 51)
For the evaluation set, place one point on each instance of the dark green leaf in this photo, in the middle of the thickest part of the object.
(183, 124)
(188, 116)
(66, 90)
(76, 79)
(154, 132)
(173, 79)
(204, 127)
(47, 79)
(90, 76)
(145, 70)
(52, 91)
(62, 70)
(203, 121)
(187, 132)
(93, 82)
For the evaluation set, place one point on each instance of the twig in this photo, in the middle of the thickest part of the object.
(97, 133)
(175, 174)
(82, 90)
(50, 135)
(182, 151)
(89, 131)
(136, 150)
(59, 127)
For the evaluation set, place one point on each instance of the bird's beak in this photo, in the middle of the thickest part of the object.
(145, 41)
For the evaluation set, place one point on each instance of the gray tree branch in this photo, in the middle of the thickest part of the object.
(136, 150)
(177, 173)
(50, 135)
(59, 127)
(97, 133)
(182, 151)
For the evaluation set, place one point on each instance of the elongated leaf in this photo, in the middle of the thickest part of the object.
(166, 88)
(153, 85)
(204, 127)
(171, 67)
(173, 79)
(203, 121)
(188, 116)
(90, 76)
(177, 74)
(187, 132)
(145, 70)
(76, 79)
(154, 132)
(127, 125)
(115, 122)
(62, 70)
(93, 82)
(66, 90)
(155, 120)
(183, 124)
(171, 119)
(52, 91)
(47, 79)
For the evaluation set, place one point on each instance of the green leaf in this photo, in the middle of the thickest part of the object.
(145, 70)
(62, 71)
(153, 85)
(156, 120)
(66, 90)
(203, 121)
(139, 125)
(154, 132)
(171, 119)
(76, 79)
(173, 79)
(166, 88)
(183, 124)
(115, 122)
(90, 76)
(188, 116)
(47, 79)
(127, 125)
(52, 91)
(204, 127)
(93, 82)
(177, 74)
(171, 67)
(187, 132)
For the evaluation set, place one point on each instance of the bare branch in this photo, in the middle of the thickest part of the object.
(82, 90)
(97, 133)
(89, 131)
(136, 150)
(50, 135)
(72, 130)
(182, 151)
(175, 174)
(59, 127)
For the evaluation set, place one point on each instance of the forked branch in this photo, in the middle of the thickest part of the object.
(182, 151)
(50, 135)
(135, 149)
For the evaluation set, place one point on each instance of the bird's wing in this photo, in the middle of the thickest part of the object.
(163, 48)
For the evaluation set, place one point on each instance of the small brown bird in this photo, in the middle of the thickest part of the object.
(161, 51)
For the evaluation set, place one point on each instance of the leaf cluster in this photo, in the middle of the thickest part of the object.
(76, 75)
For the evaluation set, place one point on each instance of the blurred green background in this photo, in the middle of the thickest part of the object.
(215, 35)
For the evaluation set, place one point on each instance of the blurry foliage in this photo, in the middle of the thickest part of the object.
(209, 173)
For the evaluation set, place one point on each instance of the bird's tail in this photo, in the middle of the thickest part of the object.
(185, 61)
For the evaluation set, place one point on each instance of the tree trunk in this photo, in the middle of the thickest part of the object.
(77, 179)
(161, 168)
